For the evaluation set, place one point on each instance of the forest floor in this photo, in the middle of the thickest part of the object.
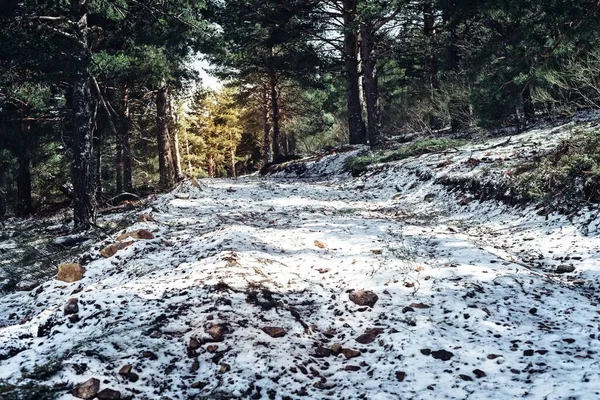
(472, 300)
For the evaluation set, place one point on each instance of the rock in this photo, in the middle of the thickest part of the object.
(429, 197)
(400, 375)
(321, 352)
(146, 218)
(139, 234)
(70, 273)
(336, 349)
(133, 377)
(377, 251)
(224, 368)
(212, 348)
(465, 377)
(199, 385)
(274, 332)
(442, 355)
(351, 368)
(74, 318)
(320, 244)
(425, 352)
(112, 249)
(493, 356)
(363, 298)
(194, 344)
(330, 333)
(369, 336)
(182, 196)
(125, 370)
(479, 373)
(533, 311)
(528, 353)
(419, 305)
(350, 353)
(195, 366)
(87, 389)
(108, 394)
(569, 340)
(407, 309)
(149, 355)
(564, 269)
(216, 332)
(71, 307)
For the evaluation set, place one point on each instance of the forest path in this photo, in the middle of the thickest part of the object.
(458, 315)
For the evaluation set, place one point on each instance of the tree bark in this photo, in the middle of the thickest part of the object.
(126, 145)
(267, 148)
(371, 92)
(84, 201)
(356, 125)
(174, 135)
(211, 166)
(232, 155)
(275, 116)
(165, 153)
(528, 105)
(24, 203)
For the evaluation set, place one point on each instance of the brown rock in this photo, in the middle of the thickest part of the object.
(321, 352)
(139, 234)
(350, 353)
(320, 244)
(479, 373)
(74, 318)
(146, 218)
(70, 273)
(195, 366)
(465, 377)
(224, 368)
(71, 307)
(400, 375)
(108, 394)
(149, 355)
(336, 348)
(274, 331)
(216, 332)
(87, 389)
(564, 269)
(199, 385)
(369, 336)
(112, 249)
(351, 368)
(194, 344)
(419, 305)
(363, 298)
(125, 370)
(212, 348)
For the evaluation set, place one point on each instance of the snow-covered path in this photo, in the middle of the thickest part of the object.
(467, 304)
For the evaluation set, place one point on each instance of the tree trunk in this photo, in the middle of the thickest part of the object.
(174, 135)
(528, 106)
(84, 201)
(165, 158)
(24, 203)
(275, 116)
(457, 107)
(267, 149)
(233, 171)
(356, 125)
(371, 92)
(119, 166)
(211, 166)
(126, 145)
(98, 163)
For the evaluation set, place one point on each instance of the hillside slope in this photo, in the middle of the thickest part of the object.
(326, 286)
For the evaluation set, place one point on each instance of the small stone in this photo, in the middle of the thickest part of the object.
(156, 334)
(369, 336)
(74, 318)
(125, 370)
(400, 375)
(149, 355)
(351, 368)
(329, 333)
(212, 348)
(407, 310)
(72, 306)
(224, 368)
(108, 394)
(199, 385)
(528, 353)
(363, 298)
(195, 366)
(442, 355)
(542, 352)
(479, 373)
(169, 369)
(217, 332)
(112, 249)
(320, 244)
(139, 234)
(377, 251)
(321, 352)
(70, 273)
(533, 311)
(420, 306)
(336, 348)
(274, 332)
(465, 377)
(194, 344)
(493, 356)
(569, 340)
(426, 352)
(133, 377)
(564, 269)
(350, 353)
(87, 389)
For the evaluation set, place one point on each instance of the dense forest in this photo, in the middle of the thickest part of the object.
(99, 99)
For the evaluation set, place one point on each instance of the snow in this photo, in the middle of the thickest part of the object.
(485, 270)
